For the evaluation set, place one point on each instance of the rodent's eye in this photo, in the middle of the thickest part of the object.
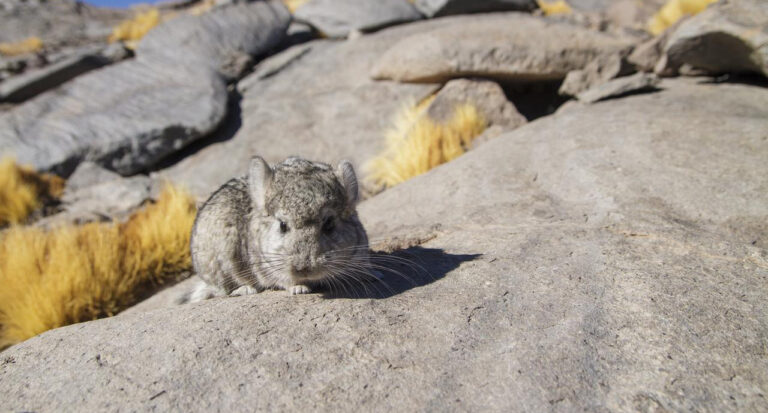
(329, 225)
(283, 227)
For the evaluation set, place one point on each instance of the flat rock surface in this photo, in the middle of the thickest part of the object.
(318, 103)
(497, 45)
(639, 82)
(611, 257)
(730, 36)
(337, 18)
(129, 115)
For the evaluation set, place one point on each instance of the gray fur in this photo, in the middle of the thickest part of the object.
(238, 246)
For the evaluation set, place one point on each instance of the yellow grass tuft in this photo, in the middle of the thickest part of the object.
(416, 143)
(22, 190)
(132, 30)
(28, 45)
(71, 274)
(554, 7)
(294, 4)
(673, 11)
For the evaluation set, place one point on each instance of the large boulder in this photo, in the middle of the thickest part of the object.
(438, 8)
(730, 36)
(509, 46)
(610, 257)
(314, 100)
(129, 115)
(337, 18)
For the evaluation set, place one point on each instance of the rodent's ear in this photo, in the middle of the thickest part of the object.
(259, 179)
(346, 174)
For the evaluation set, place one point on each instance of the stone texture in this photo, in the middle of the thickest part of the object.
(609, 258)
(58, 23)
(337, 18)
(729, 36)
(129, 115)
(438, 8)
(485, 95)
(31, 83)
(598, 71)
(499, 45)
(639, 82)
(318, 104)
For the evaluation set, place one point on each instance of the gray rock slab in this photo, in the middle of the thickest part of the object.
(337, 18)
(31, 83)
(498, 45)
(729, 36)
(485, 95)
(598, 71)
(129, 115)
(438, 8)
(605, 259)
(320, 105)
(216, 38)
(639, 82)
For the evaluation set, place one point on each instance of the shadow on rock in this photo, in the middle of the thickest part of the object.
(399, 272)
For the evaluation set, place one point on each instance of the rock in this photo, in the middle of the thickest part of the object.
(337, 18)
(646, 55)
(59, 23)
(598, 71)
(728, 37)
(88, 174)
(128, 116)
(485, 95)
(438, 8)
(496, 45)
(116, 198)
(639, 82)
(31, 83)
(319, 103)
(223, 35)
(608, 258)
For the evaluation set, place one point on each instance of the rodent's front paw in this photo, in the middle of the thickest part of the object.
(299, 289)
(244, 290)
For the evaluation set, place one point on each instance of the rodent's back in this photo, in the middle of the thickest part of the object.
(218, 244)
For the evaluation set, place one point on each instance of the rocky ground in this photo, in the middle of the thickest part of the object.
(606, 249)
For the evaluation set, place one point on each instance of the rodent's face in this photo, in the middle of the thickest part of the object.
(310, 232)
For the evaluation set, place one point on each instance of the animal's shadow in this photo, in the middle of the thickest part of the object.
(398, 271)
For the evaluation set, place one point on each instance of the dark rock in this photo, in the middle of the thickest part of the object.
(438, 8)
(337, 18)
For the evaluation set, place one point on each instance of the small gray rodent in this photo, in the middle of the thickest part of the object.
(290, 227)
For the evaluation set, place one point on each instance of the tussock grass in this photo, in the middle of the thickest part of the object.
(554, 7)
(674, 10)
(28, 45)
(71, 274)
(132, 30)
(416, 143)
(22, 190)
(294, 4)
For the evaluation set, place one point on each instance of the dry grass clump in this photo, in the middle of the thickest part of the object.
(132, 30)
(673, 11)
(28, 45)
(416, 143)
(71, 274)
(554, 7)
(294, 4)
(22, 190)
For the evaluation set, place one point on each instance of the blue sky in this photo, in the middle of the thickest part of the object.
(117, 3)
